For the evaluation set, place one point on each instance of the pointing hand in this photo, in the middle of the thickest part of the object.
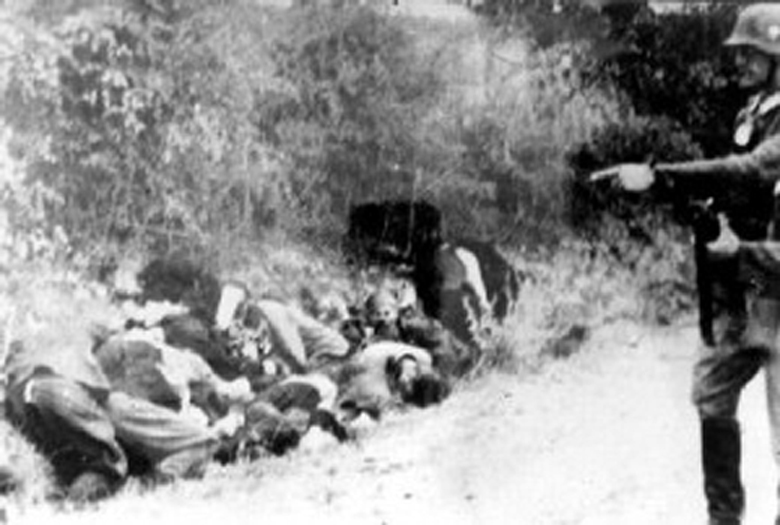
(630, 177)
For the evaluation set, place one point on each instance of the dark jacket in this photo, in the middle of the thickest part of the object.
(742, 183)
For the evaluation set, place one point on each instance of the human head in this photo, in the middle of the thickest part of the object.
(756, 36)
(382, 308)
(406, 370)
(249, 336)
(426, 389)
(415, 385)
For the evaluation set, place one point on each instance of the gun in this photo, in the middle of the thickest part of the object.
(606, 173)
(706, 228)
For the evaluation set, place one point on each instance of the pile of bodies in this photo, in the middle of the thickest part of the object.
(203, 371)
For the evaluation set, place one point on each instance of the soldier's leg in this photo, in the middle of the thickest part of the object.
(719, 376)
(763, 329)
(174, 445)
(70, 427)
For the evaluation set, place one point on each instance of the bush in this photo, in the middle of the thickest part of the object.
(637, 139)
(130, 114)
(673, 64)
(351, 90)
(666, 63)
(641, 232)
(512, 146)
(203, 128)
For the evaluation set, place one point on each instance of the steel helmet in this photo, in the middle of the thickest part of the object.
(758, 25)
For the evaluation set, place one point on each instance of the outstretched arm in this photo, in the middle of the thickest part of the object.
(700, 178)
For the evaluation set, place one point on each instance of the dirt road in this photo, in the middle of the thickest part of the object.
(605, 437)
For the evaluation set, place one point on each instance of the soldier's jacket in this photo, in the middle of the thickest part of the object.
(759, 268)
(742, 183)
(743, 186)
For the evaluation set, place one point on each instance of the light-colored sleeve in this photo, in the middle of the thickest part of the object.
(319, 339)
(376, 355)
(285, 334)
(187, 368)
(763, 162)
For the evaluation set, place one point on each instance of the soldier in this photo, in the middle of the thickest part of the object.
(740, 339)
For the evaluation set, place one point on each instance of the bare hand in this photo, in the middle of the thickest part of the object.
(727, 242)
(630, 177)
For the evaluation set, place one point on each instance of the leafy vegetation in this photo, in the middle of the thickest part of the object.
(241, 135)
(226, 130)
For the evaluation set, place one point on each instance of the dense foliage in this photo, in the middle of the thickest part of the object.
(667, 62)
(345, 113)
(130, 114)
(170, 125)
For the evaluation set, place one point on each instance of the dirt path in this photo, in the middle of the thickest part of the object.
(606, 437)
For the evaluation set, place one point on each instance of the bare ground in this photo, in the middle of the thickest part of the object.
(607, 436)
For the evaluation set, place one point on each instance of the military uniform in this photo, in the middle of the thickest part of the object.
(746, 318)
(739, 273)
(744, 324)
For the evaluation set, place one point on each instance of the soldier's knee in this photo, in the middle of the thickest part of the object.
(715, 409)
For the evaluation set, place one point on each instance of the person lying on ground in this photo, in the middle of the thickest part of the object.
(139, 363)
(93, 435)
(299, 341)
(389, 374)
(392, 320)
(281, 416)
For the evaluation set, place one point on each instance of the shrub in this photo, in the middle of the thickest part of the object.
(512, 145)
(673, 64)
(345, 111)
(667, 62)
(637, 139)
(130, 114)
(642, 232)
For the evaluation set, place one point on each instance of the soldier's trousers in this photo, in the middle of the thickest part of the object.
(745, 345)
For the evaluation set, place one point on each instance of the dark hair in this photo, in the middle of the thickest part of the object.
(181, 280)
(427, 389)
(393, 366)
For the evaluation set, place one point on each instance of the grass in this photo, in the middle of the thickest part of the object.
(537, 115)
(567, 289)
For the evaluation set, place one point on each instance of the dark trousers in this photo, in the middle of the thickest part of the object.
(81, 430)
(68, 424)
(745, 345)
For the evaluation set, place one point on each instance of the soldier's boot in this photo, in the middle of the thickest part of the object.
(721, 455)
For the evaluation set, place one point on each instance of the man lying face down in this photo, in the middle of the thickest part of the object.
(380, 375)
(93, 429)
(388, 374)
(298, 341)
